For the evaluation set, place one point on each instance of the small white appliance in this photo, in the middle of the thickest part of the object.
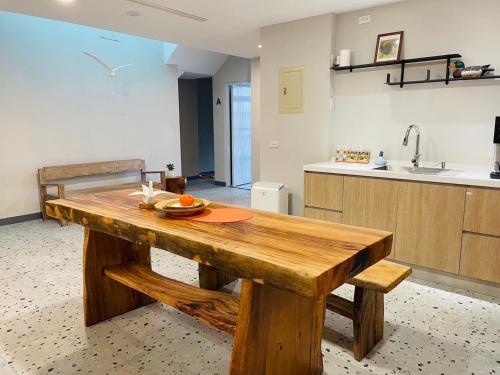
(270, 196)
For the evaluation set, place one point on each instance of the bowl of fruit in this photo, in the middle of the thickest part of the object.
(184, 205)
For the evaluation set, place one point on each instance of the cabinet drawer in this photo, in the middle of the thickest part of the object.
(480, 257)
(320, 214)
(324, 191)
(482, 211)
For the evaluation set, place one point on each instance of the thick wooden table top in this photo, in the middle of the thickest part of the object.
(307, 257)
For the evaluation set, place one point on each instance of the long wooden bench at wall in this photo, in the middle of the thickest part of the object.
(58, 177)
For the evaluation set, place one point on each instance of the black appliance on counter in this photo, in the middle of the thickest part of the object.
(496, 141)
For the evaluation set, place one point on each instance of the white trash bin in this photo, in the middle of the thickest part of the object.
(270, 196)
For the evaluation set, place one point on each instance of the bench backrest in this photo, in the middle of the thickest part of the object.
(61, 172)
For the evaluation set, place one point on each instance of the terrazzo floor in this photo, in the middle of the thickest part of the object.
(427, 330)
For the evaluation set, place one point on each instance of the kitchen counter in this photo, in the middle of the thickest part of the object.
(462, 175)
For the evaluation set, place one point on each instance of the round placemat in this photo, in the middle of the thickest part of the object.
(221, 215)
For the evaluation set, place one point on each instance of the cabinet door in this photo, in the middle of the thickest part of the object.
(371, 203)
(326, 215)
(480, 257)
(429, 225)
(324, 191)
(482, 211)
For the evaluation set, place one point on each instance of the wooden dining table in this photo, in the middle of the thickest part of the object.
(288, 265)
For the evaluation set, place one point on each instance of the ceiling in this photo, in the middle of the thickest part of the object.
(232, 26)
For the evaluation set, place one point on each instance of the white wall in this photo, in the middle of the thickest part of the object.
(234, 70)
(255, 73)
(59, 107)
(196, 60)
(456, 121)
(303, 138)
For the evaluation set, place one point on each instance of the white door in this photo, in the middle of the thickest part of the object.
(241, 135)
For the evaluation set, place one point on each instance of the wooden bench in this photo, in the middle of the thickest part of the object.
(367, 309)
(57, 176)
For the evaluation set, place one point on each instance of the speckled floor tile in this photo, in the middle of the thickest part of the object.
(428, 330)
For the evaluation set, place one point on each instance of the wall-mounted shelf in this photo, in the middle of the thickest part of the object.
(399, 62)
(403, 64)
(442, 80)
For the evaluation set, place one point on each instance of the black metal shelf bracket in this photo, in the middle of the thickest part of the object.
(448, 61)
(402, 80)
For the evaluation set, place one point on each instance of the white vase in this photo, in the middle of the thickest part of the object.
(170, 174)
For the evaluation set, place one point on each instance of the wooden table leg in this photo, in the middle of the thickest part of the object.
(211, 278)
(368, 321)
(277, 332)
(103, 297)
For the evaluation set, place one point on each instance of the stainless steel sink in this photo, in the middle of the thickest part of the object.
(418, 170)
(395, 168)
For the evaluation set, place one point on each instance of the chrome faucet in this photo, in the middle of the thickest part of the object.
(416, 158)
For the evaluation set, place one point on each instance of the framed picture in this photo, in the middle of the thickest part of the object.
(389, 47)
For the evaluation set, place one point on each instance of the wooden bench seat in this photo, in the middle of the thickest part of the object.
(58, 177)
(382, 277)
(367, 308)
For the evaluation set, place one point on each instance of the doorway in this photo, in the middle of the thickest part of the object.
(196, 127)
(241, 135)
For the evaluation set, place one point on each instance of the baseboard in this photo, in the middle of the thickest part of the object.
(20, 219)
(220, 183)
(445, 280)
(199, 176)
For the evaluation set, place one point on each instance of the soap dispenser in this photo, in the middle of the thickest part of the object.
(380, 160)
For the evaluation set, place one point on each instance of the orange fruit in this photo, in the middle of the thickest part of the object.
(186, 200)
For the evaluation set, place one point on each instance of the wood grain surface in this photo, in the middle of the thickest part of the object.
(59, 172)
(104, 298)
(381, 277)
(212, 279)
(305, 256)
(368, 321)
(322, 214)
(214, 308)
(482, 211)
(371, 203)
(278, 332)
(323, 190)
(480, 257)
(429, 225)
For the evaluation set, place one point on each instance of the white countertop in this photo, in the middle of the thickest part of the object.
(463, 174)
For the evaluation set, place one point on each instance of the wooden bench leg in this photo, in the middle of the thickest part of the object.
(104, 298)
(277, 332)
(61, 192)
(368, 321)
(212, 279)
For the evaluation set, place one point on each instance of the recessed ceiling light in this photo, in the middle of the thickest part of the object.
(132, 13)
(66, 2)
(260, 46)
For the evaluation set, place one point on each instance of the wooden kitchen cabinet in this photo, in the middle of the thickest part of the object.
(320, 214)
(371, 203)
(429, 225)
(482, 211)
(480, 257)
(324, 191)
